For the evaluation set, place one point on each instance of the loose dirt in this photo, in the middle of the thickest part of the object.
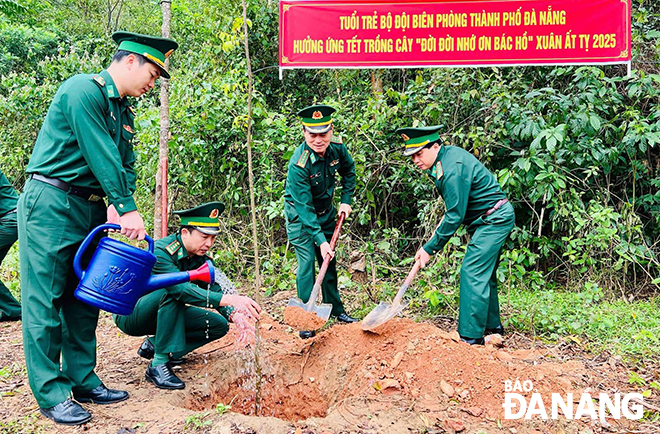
(300, 319)
(411, 378)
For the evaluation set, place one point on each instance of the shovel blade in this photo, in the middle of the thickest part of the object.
(381, 314)
(322, 310)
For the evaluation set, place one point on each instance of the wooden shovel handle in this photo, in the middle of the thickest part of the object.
(406, 284)
(326, 262)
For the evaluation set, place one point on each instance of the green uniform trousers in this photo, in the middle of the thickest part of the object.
(178, 328)
(479, 308)
(9, 307)
(306, 250)
(57, 328)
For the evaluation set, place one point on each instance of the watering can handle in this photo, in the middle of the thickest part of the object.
(88, 240)
(406, 284)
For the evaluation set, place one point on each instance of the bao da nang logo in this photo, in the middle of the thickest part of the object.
(518, 405)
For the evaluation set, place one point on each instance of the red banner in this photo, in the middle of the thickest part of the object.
(380, 34)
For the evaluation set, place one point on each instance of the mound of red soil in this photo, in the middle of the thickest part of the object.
(300, 319)
(301, 379)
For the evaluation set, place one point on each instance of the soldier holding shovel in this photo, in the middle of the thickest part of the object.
(474, 198)
(310, 213)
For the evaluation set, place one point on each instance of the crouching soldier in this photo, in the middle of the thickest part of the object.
(175, 315)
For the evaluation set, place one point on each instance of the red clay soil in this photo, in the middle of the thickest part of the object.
(418, 362)
(300, 319)
(412, 378)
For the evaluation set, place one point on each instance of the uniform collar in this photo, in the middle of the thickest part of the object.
(314, 157)
(110, 89)
(436, 172)
(182, 252)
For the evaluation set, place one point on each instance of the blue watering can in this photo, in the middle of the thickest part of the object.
(119, 274)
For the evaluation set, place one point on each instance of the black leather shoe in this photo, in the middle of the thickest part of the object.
(163, 377)
(345, 318)
(67, 413)
(497, 330)
(146, 350)
(307, 334)
(102, 395)
(473, 341)
(176, 362)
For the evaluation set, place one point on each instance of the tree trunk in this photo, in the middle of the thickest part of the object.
(255, 239)
(160, 198)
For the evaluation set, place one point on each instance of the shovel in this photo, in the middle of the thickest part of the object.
(322, 310)
(384, 312)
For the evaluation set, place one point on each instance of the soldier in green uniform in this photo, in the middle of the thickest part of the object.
(10, 309)
(166, 313)
(83, 152)
(310, 213)
(472, 197)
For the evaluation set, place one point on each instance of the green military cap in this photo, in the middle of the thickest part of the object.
(154, 49)
(416, 138)
(317, 119)
(204, 218)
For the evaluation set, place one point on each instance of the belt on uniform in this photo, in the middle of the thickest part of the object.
(322, 212)
(85, 193)
(497, 206)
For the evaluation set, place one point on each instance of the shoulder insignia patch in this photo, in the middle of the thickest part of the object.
(334, 163)
(337, 139)
(302, 161)
(100, 80)
(438, 170)
(173, 247)
(111, 91)
(129, 129)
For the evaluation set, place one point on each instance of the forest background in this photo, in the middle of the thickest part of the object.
(575, 148)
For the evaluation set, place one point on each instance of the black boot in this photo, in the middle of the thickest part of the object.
(146, 350)
(163, 377)
(102, 395)
(499, 330)
(307, 334)
(473, 341)
(67, 413)
(345, 318)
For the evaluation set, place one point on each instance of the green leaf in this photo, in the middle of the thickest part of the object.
(595, 122)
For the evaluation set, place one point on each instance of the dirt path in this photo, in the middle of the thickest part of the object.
(412, 378)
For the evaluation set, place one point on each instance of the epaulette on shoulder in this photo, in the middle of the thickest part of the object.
(99, 80)
(337, 139)
(173, 247)
(302, 161)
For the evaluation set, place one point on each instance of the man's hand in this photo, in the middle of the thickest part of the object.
(245, 328)
(242, 304)
(422, 257)
(112, 215)
(132, 225)
(325, 250)
(345, 208)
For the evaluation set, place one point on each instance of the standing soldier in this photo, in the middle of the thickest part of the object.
(473, 197)
(10, 309)
(310, 214)
(170, 313)
(83, 152)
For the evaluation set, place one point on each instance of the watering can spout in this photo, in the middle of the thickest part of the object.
(205, 273)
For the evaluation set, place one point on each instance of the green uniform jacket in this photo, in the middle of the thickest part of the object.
(172, 258)
(8, 196)
(310, 184)
(86, 139)
(468, 189)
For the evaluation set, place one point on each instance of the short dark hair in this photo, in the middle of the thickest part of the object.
(188, 228)
(120, 54)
